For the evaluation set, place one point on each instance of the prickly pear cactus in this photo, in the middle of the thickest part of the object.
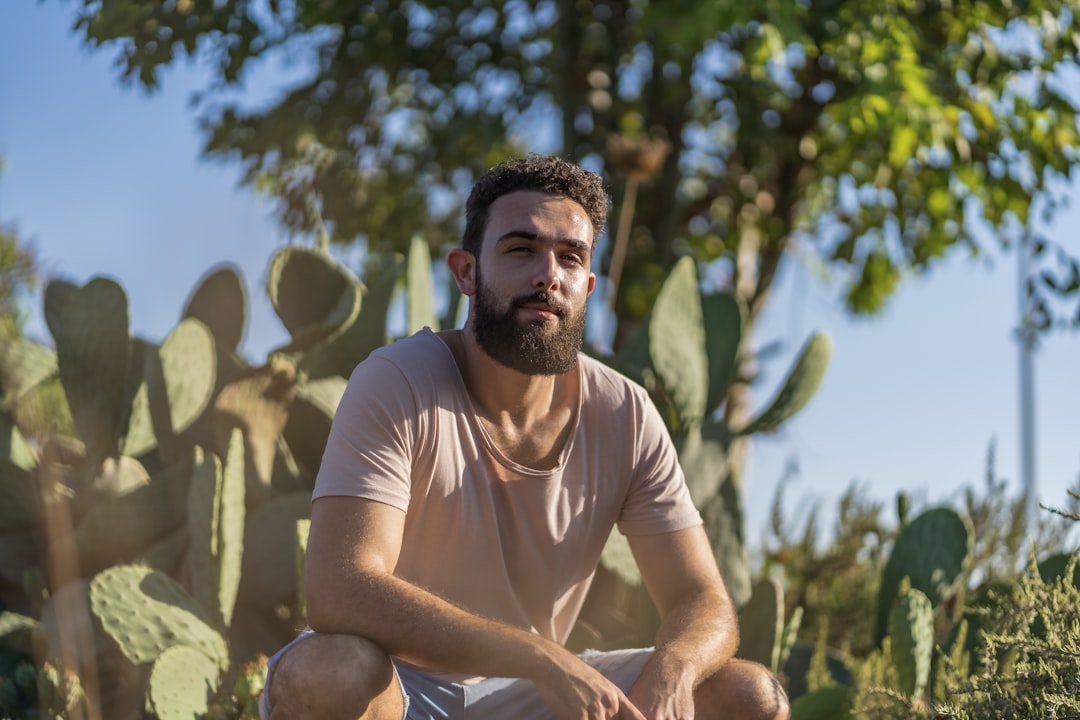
(216, 529)
(799, 387)
(259, 403)
(182, 682)
(269, 578)
(724, 315)
(418, 284)
(90, 328)
(178, 382)
(677, 344)
(931, 552)
(761, 624)
(219, 301)
(827, 703)
(116, 529)
(310, 416)
(231, 527)
(315, 296)
(145, 612)
(368, 332)
(911, 635)
(703, 458)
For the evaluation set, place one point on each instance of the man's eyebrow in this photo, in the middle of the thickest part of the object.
(532, 237)
(517, 235)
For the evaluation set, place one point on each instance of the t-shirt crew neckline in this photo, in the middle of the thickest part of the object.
(489, 444)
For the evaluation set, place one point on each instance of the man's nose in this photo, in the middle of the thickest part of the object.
(547, 272)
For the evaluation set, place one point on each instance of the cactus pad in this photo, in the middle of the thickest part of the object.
(761, 624)
(219, 302)
(203, 523)
(677, 343)
(368, 332)
(617, 558)
(90, 328)
(418, 285)
(182, 681)
(827, 703)
(231, 510)
(931, 552)
(145, 612)
(117, 529)
(315, 296)
(269, 575)
(178, 382)
(911, 641)
(310, 418)
(724, 315)
(189, 367)
(303, 529)
(799, 386)
(258, 402)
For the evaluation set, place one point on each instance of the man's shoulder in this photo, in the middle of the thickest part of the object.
(417, 359)
(423, 347)
(605, 384)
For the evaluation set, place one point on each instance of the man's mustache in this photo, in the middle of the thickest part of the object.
(541, 297)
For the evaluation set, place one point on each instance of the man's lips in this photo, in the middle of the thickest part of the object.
(541, 309)
(539, 306)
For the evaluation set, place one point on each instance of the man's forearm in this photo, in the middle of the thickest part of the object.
(697, 637)
(422, 628)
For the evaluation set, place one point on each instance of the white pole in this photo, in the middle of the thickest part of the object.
(1027, 386)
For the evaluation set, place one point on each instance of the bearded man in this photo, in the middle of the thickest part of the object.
(470, 481)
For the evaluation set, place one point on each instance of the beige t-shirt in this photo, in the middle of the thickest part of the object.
(503, 540)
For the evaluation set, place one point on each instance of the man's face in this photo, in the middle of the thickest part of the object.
(532, 282)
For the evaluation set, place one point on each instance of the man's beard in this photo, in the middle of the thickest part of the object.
(528, 347)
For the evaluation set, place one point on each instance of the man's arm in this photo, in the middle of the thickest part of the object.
(350, 588)
(698, 625)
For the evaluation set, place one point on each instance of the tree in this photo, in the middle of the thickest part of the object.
(18, 275)
(872, 138)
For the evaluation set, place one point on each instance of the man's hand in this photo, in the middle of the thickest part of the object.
(574, 690)
(663, 695)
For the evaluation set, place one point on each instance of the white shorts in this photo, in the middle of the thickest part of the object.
(430, 697)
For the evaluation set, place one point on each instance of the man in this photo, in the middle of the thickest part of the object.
(469, 483)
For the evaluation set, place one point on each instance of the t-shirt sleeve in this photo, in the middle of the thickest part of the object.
(658, 500)
(369, 450)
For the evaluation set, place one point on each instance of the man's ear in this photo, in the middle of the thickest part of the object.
(592, 284)
(462, 266)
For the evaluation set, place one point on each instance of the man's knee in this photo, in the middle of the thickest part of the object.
(333, 676)
(746, 690)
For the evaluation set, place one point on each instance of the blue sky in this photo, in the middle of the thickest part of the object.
(106, 180)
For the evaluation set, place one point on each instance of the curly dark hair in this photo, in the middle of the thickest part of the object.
(541, 173)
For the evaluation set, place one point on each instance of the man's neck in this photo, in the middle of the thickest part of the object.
(528, 417)
(505, 396)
